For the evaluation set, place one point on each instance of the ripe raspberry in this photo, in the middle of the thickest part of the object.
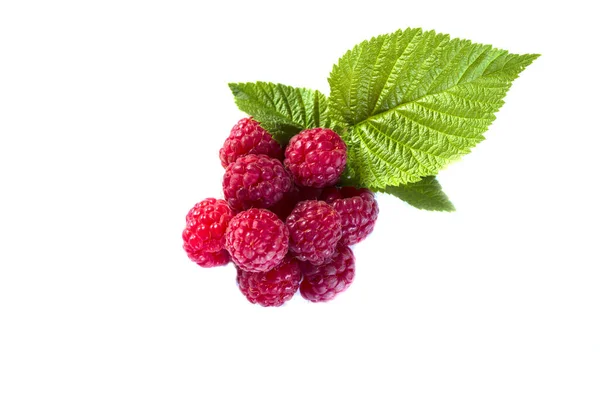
(255, 181)
(324, 282)
(205, 227)
(358, 210)
(248, 137)
(257, 240)
(330, 194)
(284, 207)
(308, 193)
(316, 157)
(274, 287)
(315, 229)
(206, 259)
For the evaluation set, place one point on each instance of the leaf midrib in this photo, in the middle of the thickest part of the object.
(274, 107)
(401, 105)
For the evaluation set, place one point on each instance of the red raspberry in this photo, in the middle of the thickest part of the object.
(358, 209)
(316, 157)
(257, 240)
(205, 227)
(274, 287)
(248, 137)
(315, 229)
(324, 282)
(330, 194)
(308, 193)
(255, 181)
(297, 194)
(206, 259)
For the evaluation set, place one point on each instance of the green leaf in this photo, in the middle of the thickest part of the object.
(427, 194)
(414, 101)
(282, 110)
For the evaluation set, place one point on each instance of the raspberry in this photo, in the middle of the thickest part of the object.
(248, 137)
(308, 193)
(324, 282)
(255, 181)
(205, 227)
(315, 229)
(297, 194)
(206, 259)
(257, 240)
(330, 194)
(358, 210)
(274, 287)
(316, 157)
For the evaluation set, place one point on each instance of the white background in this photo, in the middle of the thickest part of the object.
(111, 117)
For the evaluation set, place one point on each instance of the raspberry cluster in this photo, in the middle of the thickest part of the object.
(285, 225)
